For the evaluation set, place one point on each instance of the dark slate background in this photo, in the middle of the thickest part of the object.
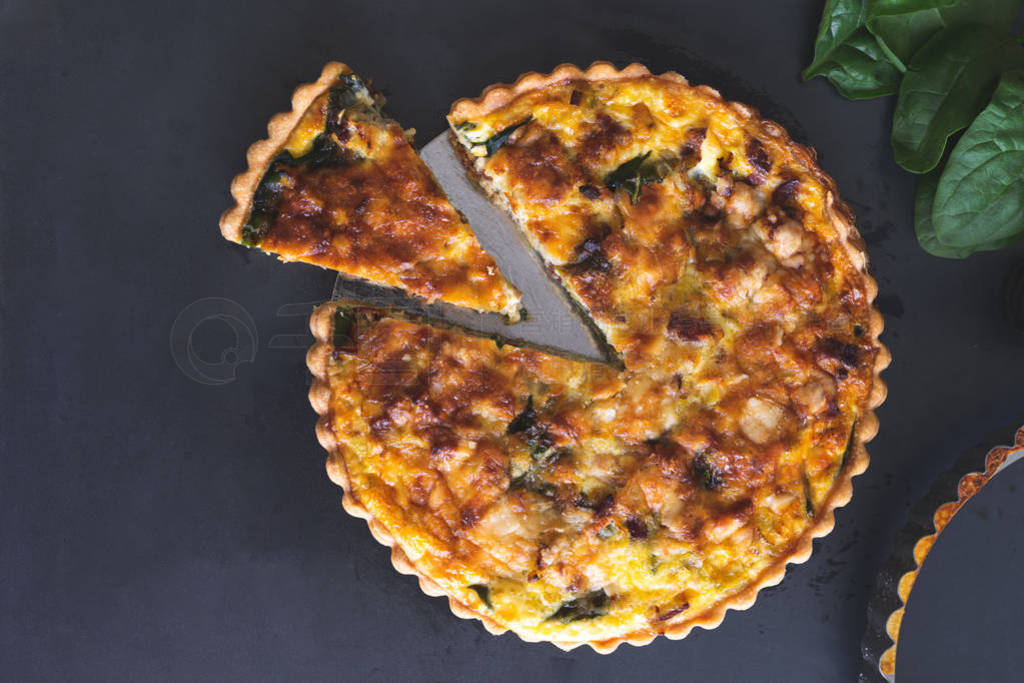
(156, 527)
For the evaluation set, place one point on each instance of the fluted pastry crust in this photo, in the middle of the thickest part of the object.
(577, 504)
(337, 185)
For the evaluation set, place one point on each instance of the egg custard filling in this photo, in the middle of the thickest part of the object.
(340, 186)
(591, 503)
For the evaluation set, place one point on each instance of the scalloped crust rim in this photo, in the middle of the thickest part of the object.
(966, 488)
(260, 154)
(493, 98)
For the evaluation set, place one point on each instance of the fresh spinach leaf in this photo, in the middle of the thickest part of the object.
(924, 228)
(924, 225)
(996, 13)
(944, 58)
(862, 70)
(848, 55)
(979, 200)
(946, 85)
(839, 21)
(903, 26)
(876, 7)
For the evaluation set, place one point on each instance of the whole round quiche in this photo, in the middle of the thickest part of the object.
(582, 502)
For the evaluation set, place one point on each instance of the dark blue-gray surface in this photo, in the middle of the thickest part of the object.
(155, 527)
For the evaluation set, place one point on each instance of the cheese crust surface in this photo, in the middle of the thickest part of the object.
(340, 186)
(574, 502)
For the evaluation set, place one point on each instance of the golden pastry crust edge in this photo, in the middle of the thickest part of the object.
(261, 153)
(841, 218)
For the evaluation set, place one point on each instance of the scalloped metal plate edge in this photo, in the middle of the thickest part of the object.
(930, 515)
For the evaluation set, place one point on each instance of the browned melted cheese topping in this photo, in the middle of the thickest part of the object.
(574, 503)
(376, 212)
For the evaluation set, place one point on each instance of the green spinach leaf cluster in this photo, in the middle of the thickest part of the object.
(954, 66)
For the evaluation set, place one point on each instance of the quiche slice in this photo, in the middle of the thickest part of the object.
(338, 185)
(579, 503)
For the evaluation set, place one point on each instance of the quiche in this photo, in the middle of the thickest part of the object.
(597, 503)
(340, 186)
